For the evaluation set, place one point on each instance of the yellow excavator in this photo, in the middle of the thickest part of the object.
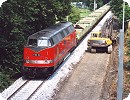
(102, 39)
(96, 43)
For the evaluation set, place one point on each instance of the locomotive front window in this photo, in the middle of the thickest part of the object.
(32, 42)
(43, 43)
(38, 42)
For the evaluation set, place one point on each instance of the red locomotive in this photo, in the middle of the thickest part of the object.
(47, 48)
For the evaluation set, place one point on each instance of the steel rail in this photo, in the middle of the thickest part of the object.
(9, 98)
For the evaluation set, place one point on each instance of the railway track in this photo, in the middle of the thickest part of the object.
(26, 90)
(35, 91)
(18, 89)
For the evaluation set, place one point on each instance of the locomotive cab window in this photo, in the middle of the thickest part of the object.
(55, 39)
(38, 42)
(59, 36)
(51, 43)
(42, 42)
(66, 32)
(63, 34)
(71, 28)
(32, 42)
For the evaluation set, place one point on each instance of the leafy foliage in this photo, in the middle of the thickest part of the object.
(4, 81)
(117, 8)
(74, 16)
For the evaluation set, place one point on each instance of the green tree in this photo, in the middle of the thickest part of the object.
(117, 8)
(74, 16)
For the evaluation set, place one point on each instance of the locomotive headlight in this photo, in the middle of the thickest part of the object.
(27, 61)
(48, 61)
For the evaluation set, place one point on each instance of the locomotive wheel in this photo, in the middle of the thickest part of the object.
(93, 50)
(109, 49)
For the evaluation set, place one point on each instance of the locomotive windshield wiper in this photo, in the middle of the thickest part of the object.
(40, 42)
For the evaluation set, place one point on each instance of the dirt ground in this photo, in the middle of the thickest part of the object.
(109, 91)
(93, 79)
(110, 83)
(126, 73)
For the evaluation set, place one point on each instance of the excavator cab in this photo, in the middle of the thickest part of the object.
(96, 34)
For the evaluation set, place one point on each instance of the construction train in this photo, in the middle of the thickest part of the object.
(46, 49)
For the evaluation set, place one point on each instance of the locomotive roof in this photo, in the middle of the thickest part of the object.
(50, 31)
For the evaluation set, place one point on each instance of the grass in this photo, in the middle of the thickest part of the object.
(84, 13)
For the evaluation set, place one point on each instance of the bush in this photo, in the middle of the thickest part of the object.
(74, 15)
(4, 81)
